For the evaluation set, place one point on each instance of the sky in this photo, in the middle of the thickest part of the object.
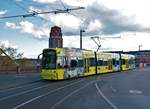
(120, 24)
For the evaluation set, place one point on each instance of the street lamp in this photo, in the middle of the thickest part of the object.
(81, 31)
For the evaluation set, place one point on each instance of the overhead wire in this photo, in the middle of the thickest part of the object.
(62, 4)
(38, 13)
(19, 6)
(24, 9)
(70, 12)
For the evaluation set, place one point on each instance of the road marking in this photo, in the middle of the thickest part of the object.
(4, 98)
(35, 98)
(135, 92)
(104, 97)
(69, 95)
(113, 89)
(13, 88)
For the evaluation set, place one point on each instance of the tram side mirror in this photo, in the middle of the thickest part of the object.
(73, 63)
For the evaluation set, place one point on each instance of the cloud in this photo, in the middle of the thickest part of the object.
(11, 25)
(100, 17)
(128, 42)
(44, 1)
(67, 2)
(7, 44)
(87, 43)
(112, 20)
(32, 9)
(18, 0)
(69, 21)
(28, 27)
(3, 12)
(96, 18)
(94, 26)
(84, 3)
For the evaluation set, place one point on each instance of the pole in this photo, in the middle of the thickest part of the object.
(81, 31)
(80, 39)
(140, 47)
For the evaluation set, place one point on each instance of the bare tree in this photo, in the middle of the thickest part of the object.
(8, 55)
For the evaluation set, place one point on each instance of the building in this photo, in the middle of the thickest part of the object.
(142, 57)
(55, 39)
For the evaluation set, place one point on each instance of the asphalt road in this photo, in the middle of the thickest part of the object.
(120, 90)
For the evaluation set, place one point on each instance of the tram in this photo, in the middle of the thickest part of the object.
(65, 63)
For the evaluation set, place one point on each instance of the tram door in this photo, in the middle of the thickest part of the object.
(110, 64)
(86, 65)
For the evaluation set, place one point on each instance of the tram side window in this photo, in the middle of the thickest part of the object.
(131, 61)
(61, 62)
(117, 62)
(80, 63)
(114, 61)
(100, 63)
(73, 63)
(105, 63)
(92, 61)
(49, 60)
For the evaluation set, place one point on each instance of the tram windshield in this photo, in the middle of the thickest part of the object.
(49, 59)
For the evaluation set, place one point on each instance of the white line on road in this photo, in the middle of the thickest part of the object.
(104, 97)
(35, 98)
(135, 91)
(14, 95)
(13, 88)
(75, 91)
(113, 89)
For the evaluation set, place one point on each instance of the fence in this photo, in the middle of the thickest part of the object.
(19, 70)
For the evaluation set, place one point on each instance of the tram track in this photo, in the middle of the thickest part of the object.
(23, 92)
(30, 88)
(36, 93)
(59, 102)
(78, 90)
(10, 93)
(57, 94)
(16, 91)
(90, 92)
(19, 85)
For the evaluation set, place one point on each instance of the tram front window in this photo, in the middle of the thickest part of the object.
(49, 59)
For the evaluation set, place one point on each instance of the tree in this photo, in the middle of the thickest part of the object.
(3, 48)
(24, 62)
(8, 55)
(11, 52)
